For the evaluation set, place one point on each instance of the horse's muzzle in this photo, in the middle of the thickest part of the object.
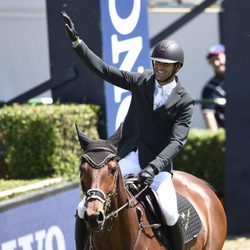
(94, 221)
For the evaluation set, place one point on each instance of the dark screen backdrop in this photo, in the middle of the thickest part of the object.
(86, 17)
(235, 34)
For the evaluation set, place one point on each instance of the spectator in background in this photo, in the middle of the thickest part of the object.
(213, 93)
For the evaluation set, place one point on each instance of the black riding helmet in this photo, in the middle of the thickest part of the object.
(169, 52)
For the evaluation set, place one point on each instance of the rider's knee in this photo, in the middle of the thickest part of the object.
(171, 219)
(81, 208)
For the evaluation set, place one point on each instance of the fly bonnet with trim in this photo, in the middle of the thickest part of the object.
(98, 152)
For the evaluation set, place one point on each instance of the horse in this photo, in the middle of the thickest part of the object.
(116, 220)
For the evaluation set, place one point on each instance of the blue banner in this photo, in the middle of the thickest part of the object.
(125, 46)
(45, 223)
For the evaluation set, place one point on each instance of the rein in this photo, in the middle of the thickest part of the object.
(99, 195)
(114, 214)
(126, 205)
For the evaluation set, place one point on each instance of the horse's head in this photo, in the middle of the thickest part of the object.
(98, 174)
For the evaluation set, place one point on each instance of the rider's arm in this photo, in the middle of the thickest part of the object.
(178, 139)
(120, 78)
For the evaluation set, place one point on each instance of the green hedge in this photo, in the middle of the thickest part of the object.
(203, 156)
(40, 140)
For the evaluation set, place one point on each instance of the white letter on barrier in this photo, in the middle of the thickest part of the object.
(132, 46)
(122, 111)
(56, 232)
(125, 25)
(40, 236)
(9, 245)
(25, 242)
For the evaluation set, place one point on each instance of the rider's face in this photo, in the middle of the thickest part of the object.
(162, 71)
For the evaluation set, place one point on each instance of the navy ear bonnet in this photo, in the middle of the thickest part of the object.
(99, 152)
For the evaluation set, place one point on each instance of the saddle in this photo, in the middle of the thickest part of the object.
(190, 219)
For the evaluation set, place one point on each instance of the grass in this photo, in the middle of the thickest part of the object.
(11, 184)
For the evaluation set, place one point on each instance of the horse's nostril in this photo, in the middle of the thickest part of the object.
(100, 217)
(97, 218)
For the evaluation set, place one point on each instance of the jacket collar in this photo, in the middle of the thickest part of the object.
(174, 97)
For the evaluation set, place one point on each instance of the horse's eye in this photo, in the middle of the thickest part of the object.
(81, 171)
(113, 171)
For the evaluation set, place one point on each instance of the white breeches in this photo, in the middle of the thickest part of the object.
(162, 186)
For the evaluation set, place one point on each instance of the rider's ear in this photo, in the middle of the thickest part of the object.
(116, 137)
(178, 66)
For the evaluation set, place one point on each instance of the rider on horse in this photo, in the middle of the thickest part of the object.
(155, 128)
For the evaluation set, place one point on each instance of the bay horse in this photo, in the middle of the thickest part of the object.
(117, 221)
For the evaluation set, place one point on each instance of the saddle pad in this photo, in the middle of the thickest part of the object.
(190, 219)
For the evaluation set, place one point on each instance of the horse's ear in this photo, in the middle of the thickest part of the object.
(83, 139)
(116, 137)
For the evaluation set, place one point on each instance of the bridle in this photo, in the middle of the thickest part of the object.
(95, 193)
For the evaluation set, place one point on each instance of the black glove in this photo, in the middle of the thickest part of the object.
(146, 176)
(69, 26)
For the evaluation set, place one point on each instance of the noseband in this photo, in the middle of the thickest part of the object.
(95, 193)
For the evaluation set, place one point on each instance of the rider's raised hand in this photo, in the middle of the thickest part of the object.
(69, 26)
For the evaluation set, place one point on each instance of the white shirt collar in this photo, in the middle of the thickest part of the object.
(167, 88)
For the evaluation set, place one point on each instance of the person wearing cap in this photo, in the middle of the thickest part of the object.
(213, 93)
(155, 128)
